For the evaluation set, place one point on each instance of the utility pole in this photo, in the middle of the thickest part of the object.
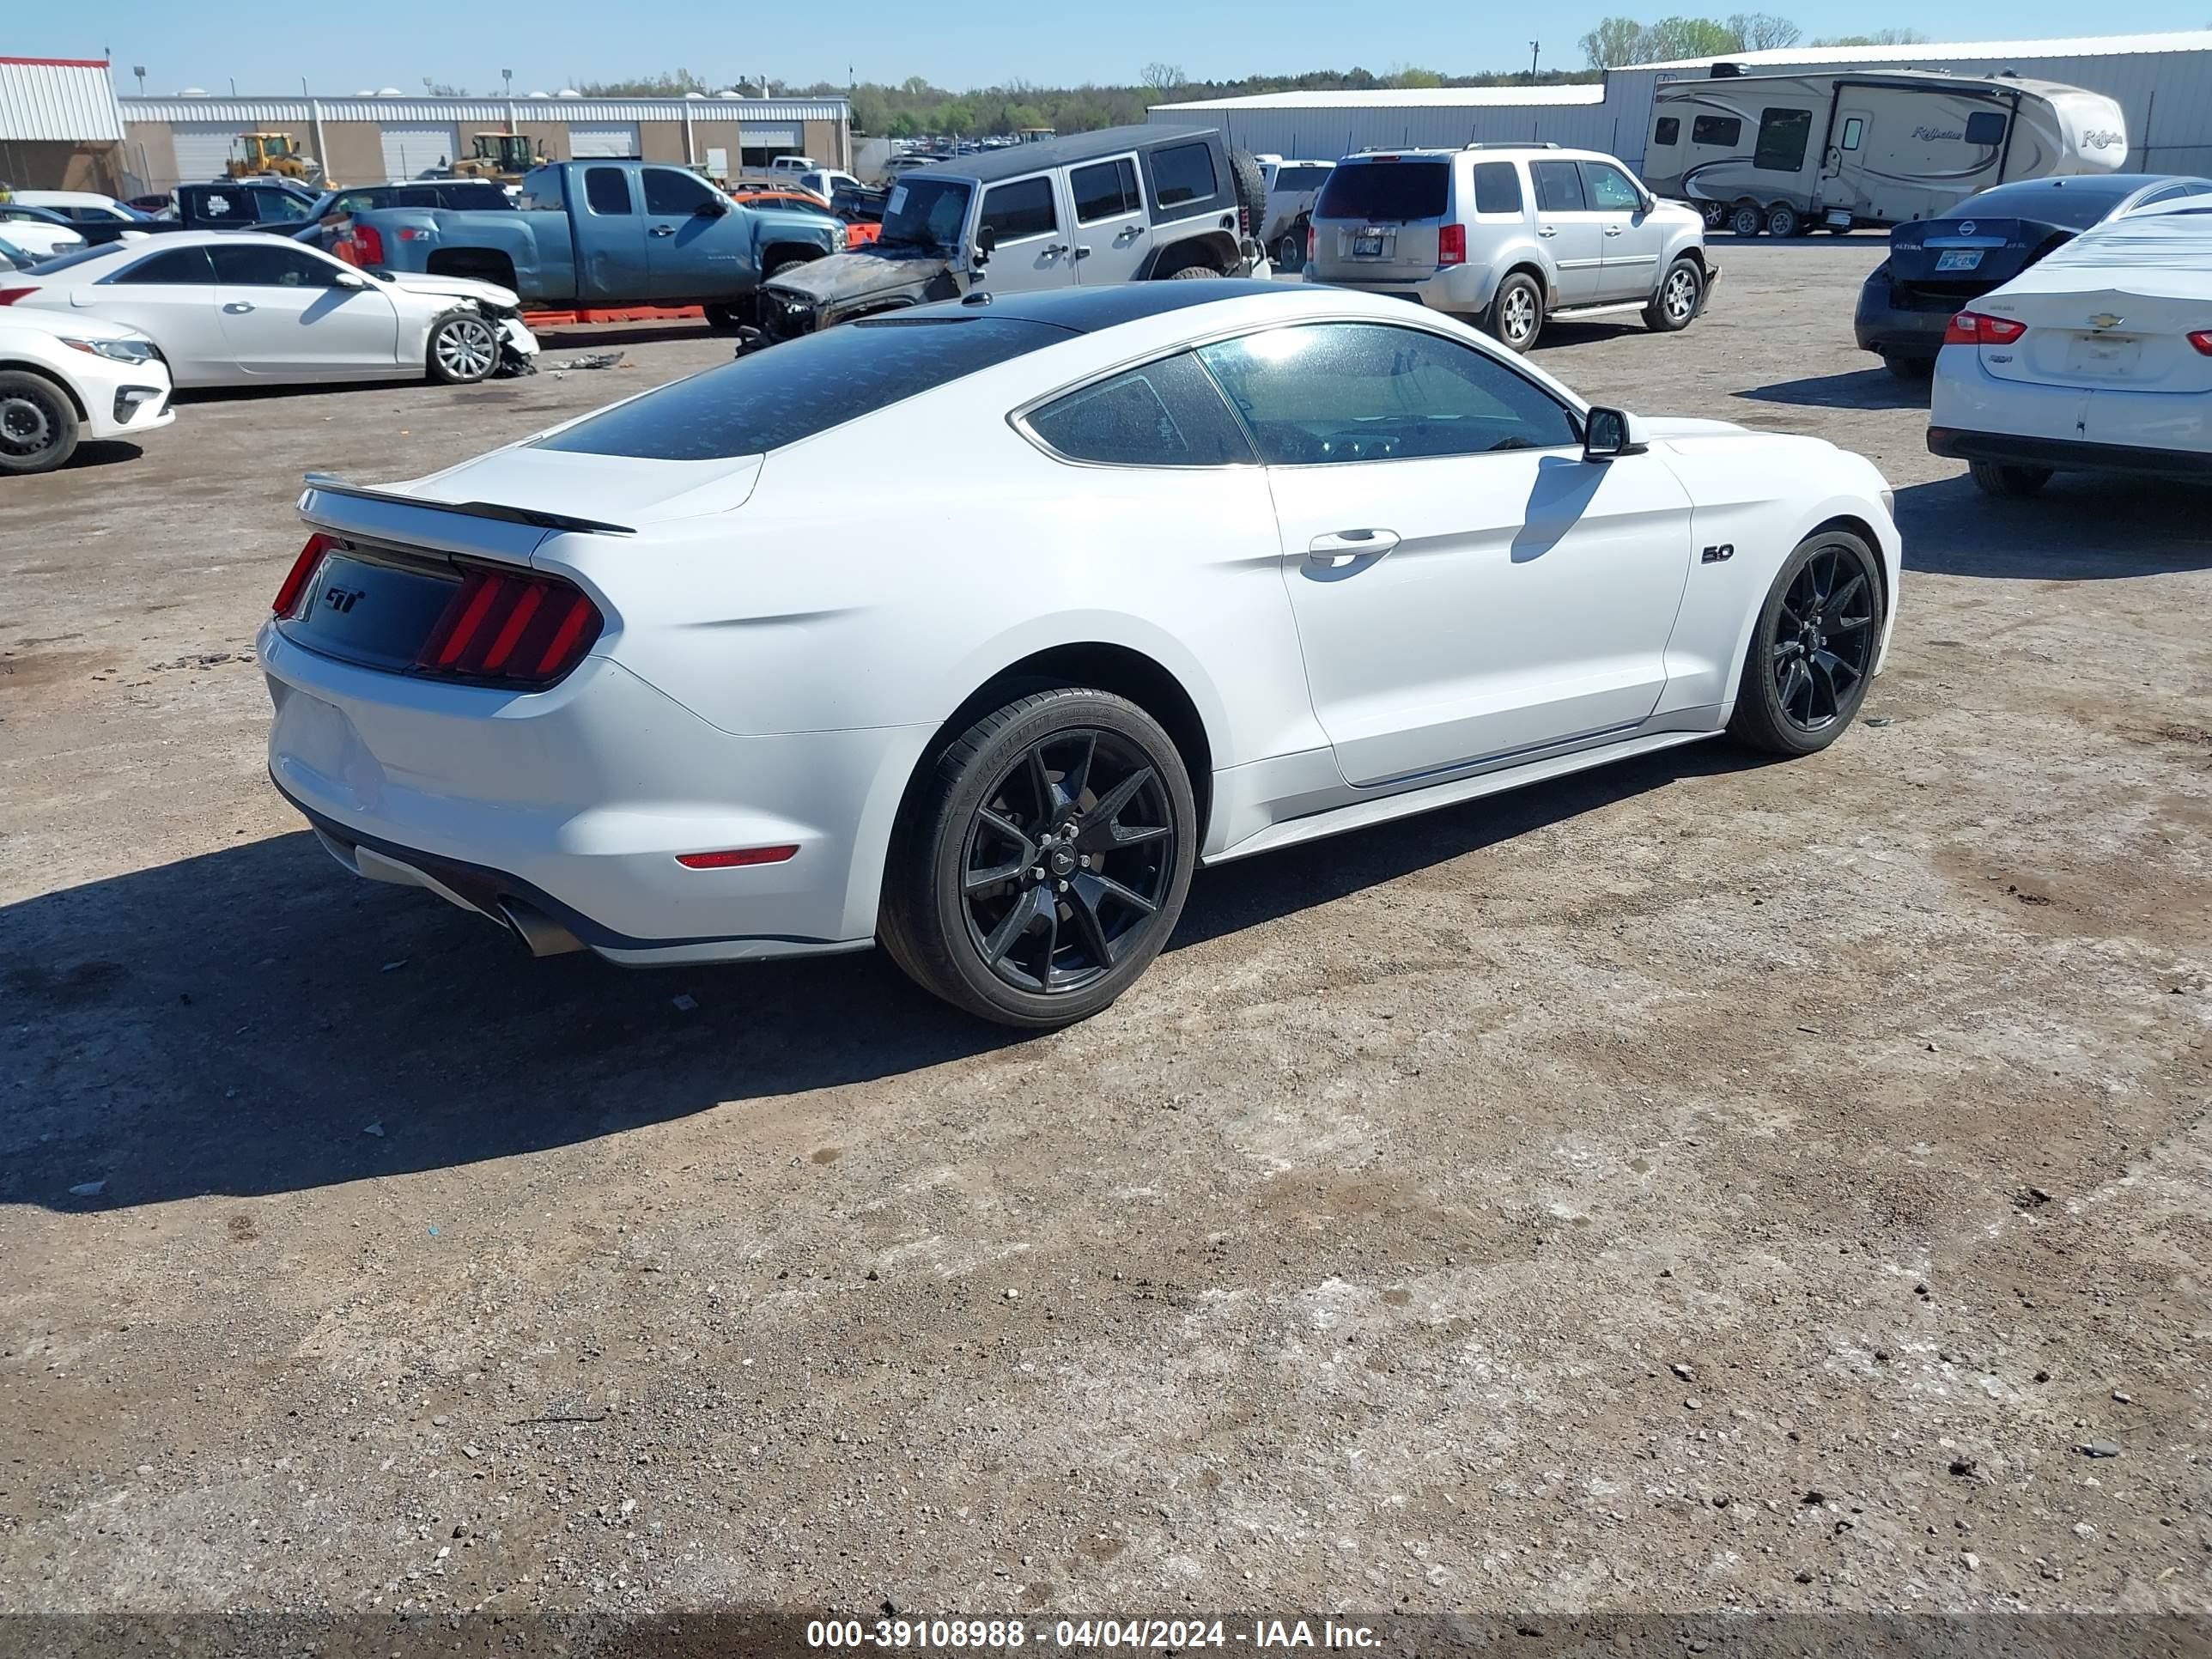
(1536, 51)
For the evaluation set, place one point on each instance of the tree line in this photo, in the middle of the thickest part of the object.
(1620, 41)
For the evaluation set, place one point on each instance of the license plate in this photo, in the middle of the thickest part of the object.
(2104, 356)
(1368, 245)
(1959, 259)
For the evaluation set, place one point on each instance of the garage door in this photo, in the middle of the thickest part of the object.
(414, 147)
(602, 138)
(203, 149)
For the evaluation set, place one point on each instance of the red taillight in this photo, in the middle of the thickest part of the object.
(1451, 245)
(303, 567)
(501, 625)
(1311, 255)
(2201, 339)
(1972, 328)
(9, 295)
(736, 856)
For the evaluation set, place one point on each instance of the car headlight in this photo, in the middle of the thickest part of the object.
(123, 351)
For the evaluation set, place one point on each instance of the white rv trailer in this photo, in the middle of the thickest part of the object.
(1778, 153)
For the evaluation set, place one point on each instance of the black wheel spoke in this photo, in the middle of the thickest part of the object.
(1101, 815)
(1098, 887)
(1076, 778)
(1083, 911)
(1048, 797)
(1852, 589)
(1017, 921)
(1841, 674)
(1113, 837)
(1821, 680)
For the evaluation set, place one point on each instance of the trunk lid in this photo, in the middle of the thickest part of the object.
(1379, 216)
(1955, 260)
(2101, 338)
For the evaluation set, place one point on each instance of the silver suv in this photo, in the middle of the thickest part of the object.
(1509, 235)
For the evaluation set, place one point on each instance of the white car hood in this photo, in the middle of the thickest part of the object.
(612, 489)
(1686, 426)
(66, 324)
(455, 288)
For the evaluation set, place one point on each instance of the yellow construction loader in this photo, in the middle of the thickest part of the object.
(263, 154)
(505, 156)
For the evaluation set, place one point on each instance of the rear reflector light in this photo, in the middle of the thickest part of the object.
(2201, 339)
(9, 295)
(1311, 255)
(736, 856)
(364, 247)
(1451, 245)
(303, 569)
(506, 626)
(1972, 328)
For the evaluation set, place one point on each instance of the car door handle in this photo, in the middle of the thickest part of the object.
(663, 230)
(1612, 230)
(1348, 546)
(238, 308)
(1081, 252)
(1547, 230)
(1130, 233)
(1055, 250)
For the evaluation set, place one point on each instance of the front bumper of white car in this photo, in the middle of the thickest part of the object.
(121, 399)
(562, 815)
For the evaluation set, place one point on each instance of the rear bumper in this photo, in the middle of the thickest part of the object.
(1459, 290)
(2069, 455)
(575, 803)
(1881, 325)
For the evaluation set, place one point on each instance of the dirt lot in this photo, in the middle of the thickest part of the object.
(1696, 1185)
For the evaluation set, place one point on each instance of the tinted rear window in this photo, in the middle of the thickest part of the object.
(1386, 192)
(1497, 187)
(775, 397)
(1302, 178)
(1182, 174)
(2077, 204)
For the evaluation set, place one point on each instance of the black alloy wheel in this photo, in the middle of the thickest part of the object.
(1812, 653)
(1041, 866)
(1067, 859)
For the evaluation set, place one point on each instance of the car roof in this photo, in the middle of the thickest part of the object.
(1088, 310)
(1017, 160)
(1485, 152)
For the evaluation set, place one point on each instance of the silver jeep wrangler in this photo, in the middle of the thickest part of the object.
(1126, 204)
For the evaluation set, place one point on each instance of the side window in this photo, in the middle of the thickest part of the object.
(274, 207)
(1105, 189)
(1326, 392)
(417, 196)
(1558, 187)
(1020, 209)
(251, 263)
(1184, 173)
(1669, 131)
(353, 201)
(1854, 132)
(1722, 129)
(668, 191)
(1609, 189)
(1985, 127)
(178, 265)
(606, 191)
(1165, 414)
(1497, 187)
(1782, 135)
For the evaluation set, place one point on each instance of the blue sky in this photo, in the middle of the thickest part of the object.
(377, 43)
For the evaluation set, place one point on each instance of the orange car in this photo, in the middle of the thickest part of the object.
(767, 193)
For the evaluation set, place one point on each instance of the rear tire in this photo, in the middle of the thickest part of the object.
(1197, 268)
(1908, 368)
(1783, 220)
(1681, 291)
(1290, 253)
(37, 424)
(1715, 213)
(1813, 647)
(463, 348)
(1516, 318)
(1995, 478)
(1088, 786)
(1747, 219)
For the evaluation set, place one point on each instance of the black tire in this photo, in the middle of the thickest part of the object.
(37, 424)
(985, 803)
(1784, 220)
(1908, 368)
(728, 319)
(1747, 219)
(1251, 188)
(1995, 478)
(1715, 213)
(1196, 268)
(783, 265)
(1813, 648)
(1516, 317)
(1681, 294)
(1290, 253)
(463, 348)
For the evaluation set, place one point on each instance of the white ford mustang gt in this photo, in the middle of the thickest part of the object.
(973, 628)
(232, 308)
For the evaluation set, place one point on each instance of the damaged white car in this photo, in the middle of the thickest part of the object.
(239, 308)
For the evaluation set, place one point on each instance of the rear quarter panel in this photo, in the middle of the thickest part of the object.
(537, 243)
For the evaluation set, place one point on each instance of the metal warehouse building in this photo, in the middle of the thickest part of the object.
(59, 127)
(2162, 82)
(369, 140)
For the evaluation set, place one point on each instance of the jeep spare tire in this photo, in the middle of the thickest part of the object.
(1251, 185)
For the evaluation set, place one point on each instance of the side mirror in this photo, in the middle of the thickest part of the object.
(1609, 434)
(349, 279)
(712, 208)
(987, 243)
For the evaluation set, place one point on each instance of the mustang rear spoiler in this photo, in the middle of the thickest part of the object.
(525, 515)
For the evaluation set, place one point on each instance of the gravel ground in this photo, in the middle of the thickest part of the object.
(1695, 1185)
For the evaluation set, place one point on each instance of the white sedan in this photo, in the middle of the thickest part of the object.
(1164, 574)
(2098, 359)
(64, 379)
(241, 308)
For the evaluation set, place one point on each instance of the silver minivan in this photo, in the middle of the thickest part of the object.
(1508, 236)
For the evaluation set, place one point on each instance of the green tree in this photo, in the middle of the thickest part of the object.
(1417, 78)
(1762, 31)
(1613, 42)
(956, 118)
(1671, 37)
(903, 126)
